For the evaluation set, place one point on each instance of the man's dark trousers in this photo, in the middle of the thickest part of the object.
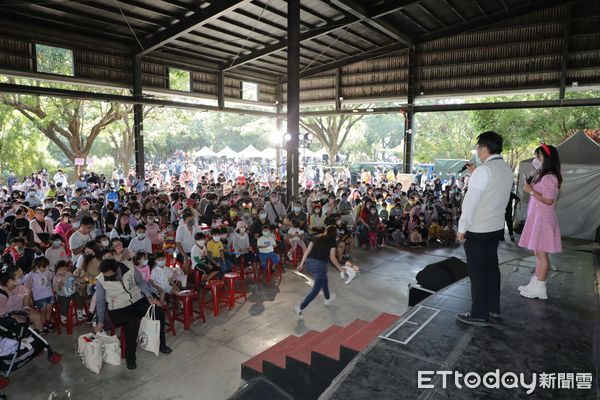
(482, 262)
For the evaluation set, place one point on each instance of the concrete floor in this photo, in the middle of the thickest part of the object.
(205, 363)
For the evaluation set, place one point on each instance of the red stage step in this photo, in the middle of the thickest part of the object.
(296, 362)
(302, 352)
(276, 353)
(361, 339)
(331, 346)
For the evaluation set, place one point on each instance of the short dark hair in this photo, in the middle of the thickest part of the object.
(491, 140)
(87, 221)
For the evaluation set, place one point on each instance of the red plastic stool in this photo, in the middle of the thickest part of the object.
(56, 313)
(218, 295)
(297, 256)
(169, 320)
(72, 317)
(254, 270)
(197, 274)
(240, 268)
(186, 298)
(170, 259)
(269, 272)
(121, 339)
(230, 279)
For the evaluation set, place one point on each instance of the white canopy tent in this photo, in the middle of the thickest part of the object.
(250, 152)
(578, 204)
(227, 152)
(205, 152)
(269, 153)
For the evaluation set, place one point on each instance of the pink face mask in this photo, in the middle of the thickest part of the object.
(145, 270)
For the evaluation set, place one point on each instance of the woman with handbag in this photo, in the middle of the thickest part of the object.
(128, 297)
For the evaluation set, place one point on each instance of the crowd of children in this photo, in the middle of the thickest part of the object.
(56, 242)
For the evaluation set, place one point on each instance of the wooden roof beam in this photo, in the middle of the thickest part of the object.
(187, 24)
(353, 8)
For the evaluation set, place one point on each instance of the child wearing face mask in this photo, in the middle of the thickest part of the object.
(216, 251)
(169, 245)
(56, 252)
(163, 278)
(38, 281)
(316, 220)
(153, 231)
(140, 242)
(66, 286)
(294, 236)
(102, 241)
(140, 261)
(201, 261)
(266, 247)
(239, 242)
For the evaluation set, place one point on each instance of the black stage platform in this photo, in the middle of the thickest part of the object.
(557, 336)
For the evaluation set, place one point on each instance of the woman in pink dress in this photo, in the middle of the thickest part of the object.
(541, 233)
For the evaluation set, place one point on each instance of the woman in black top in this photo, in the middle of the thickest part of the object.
(317, 256)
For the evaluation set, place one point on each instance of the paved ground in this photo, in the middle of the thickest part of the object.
(205, 363)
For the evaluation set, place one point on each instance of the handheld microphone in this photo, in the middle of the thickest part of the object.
(530, 176)
(464, 168)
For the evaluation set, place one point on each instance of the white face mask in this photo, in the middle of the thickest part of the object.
(537, 164)
(161, 263)
(105, 243)
(141, 236)
(242, 230)
(217, 238)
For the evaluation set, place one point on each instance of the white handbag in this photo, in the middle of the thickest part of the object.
(149, 335)
(90, 351)
(111, 349)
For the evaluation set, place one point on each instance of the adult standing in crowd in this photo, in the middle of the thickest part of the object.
(317, 257)
(128, 297)
(481, 226)
(541, 232)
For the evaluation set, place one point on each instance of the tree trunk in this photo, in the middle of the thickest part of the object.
(62, 121)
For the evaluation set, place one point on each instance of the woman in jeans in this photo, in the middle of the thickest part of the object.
(317, 256)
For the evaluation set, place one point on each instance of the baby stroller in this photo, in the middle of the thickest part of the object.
(19, 344)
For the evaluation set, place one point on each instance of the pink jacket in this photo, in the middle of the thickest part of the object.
(62, 228)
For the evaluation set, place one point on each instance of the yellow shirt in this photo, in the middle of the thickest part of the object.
(390, 176)
(214, 248)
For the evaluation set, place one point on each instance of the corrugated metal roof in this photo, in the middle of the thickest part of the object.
(461, 45)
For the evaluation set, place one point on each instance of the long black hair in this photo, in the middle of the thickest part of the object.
(550, 163)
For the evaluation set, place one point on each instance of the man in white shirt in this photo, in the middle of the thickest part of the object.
(184, 240)
(275, 210)
(60, 177)
(80, 237)
(481, 226)
(140, 242)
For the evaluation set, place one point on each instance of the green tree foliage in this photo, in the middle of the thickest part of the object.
(443, 135)
(54, 60)
(522, 129)
(22, 147)
(72, 125)
(330, 130)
